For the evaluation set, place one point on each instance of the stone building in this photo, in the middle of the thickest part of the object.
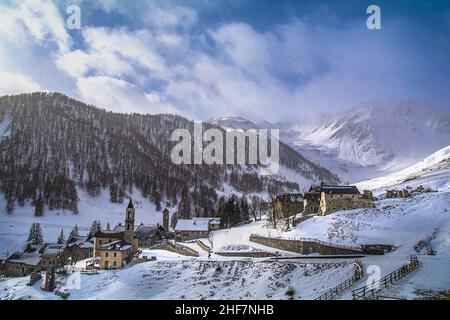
(52, 256)
(334, 198)
(116, 247)
(22, 263)
(115, 254)
(149, 234)
(311, 202)
(404, 193)
(195, 228)
(78, 248)
(288, 204)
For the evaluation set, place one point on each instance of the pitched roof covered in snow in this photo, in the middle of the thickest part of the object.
(331, 189)
(50, 250)
(80, 241)
(119, 245)
(290, 197)
(196, 224)
(119, 228)
(147, 230)
(26, 258)
(192, 225)
(109, 234)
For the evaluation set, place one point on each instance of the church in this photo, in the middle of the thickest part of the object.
(116, 248)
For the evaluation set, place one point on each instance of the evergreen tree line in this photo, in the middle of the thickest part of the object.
(55, 146)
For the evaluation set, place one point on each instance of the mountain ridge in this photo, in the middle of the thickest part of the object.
(52, 144)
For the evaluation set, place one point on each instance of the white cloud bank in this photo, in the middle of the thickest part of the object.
(167, 65)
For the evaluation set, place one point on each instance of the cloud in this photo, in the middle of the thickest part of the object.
(11, 83)
(40, 20)
(121, 96)
(171, 17)
(167, 60)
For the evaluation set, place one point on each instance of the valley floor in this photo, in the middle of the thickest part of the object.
(400, 222)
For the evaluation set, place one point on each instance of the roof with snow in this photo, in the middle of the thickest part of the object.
(192, 225)
(119, 245)
(109, 234)
(331, 189)
(119, 228)
(27, 258)
(80, 241)
(211, 220)
(290, 197)
(50, 250)
(147, 230)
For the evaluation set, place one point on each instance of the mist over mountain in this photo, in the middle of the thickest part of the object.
(368, 140)
(52, 145)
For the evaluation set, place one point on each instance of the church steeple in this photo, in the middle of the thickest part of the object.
(129, 222)
(130, 204)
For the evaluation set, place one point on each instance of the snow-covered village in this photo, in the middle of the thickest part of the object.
(195, 156)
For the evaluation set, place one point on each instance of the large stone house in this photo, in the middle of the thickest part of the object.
(334, 198)
(288, 204)
(115, 254)
(195, 228)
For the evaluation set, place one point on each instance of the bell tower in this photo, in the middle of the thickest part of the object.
(166, 220)
(129, 223)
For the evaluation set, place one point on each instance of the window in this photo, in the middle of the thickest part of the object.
(106, 255)
(100, 241)
(114, 264)
(115, 254)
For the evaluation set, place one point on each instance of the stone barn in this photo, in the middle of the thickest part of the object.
(288, 204)
(334, 198)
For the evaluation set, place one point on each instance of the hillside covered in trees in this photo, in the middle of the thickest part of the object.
(52, 145)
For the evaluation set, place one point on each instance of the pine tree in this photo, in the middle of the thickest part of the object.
(39, 206)
(61, 238)
(174, 219)
(35, 236)
(245, 211)
(31, 234)
(95, 227)
(108, 227)
(75, 232)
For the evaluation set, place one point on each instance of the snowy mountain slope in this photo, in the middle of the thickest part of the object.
(366, 141)
(57, 144)
(372, 139)
(433, 171)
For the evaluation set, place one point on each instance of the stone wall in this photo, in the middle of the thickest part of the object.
(202, 245)
(305, 246)
(243, 254)
(175, 247)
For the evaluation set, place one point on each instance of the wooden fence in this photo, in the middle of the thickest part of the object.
(369, 291)
(334, 292)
